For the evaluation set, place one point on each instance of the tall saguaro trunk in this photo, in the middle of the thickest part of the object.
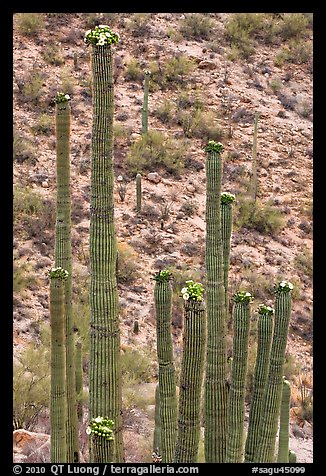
(236, 403)
(265, 335)
(191, 379)
(58, 398)
(283, 439)
(63, 258)
(216, 389)
(265, 452)
(166, 370)
(105, 376)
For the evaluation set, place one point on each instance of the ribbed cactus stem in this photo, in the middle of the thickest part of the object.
(191, 380)
(58, 397)
(265, 450)
(227, 200)
(157, 423)
(265, 335)
(283, 439)
(166, 371)
(292, 457)
(63, 258)
(138, 192)
(236, 403)
(79, 380)
(144, 128)
(216, 388)
(105, 390)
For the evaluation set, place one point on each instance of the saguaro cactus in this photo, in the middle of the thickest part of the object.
(105, 376)
(144, 128)
(79, 380)
(58, 398)
(63, 258)
(265, 335)
(157, 428)
(227, 200)
(292, 457)
(283, 439)
(191, 378)
(216, 388)
(272, 399)
(166, 372)
(138, 192)
(236, 403)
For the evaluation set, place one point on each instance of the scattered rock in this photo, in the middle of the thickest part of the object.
(45, 184)
(190, 188)
(154, 177)
(208, 65)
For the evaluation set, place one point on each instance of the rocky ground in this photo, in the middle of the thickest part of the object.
(231, 90)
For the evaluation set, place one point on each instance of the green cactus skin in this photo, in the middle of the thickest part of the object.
(283, 440)
(58, 400)
(265, 335)
(236, 402)
(79, 380)
(254, 180)
(138, 192)
(144, 124)
(292, 457)
(105, 377)
(216, 387)
(63, 258)
(226, 231)
(157, 428)
(136, 327)
(191, 380)
(272, 399)
(166, 372)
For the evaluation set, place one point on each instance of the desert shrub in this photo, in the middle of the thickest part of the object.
(191, 99)
(304, 107)
(23, 277)
(189, 208)
(138, 25)
(43, 125)
(239, 31)
(296, 52)
(293, 25)
(303, 261)
(52, 54)
(23, 149)
(196, 26)
(31, 384)
(127, 271)
(171, 73)
(154, 151)
(137, 367)
(133, 71)
(29, 24)
(30, 86)
(257, 216)
(200, 125)
(291, 366)
(165, 112)
(67, 81)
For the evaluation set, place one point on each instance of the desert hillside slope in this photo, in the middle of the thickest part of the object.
(210, 74)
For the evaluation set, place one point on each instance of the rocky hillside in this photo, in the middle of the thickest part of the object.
(210, 74)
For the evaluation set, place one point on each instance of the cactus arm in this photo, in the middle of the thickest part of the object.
(292, 457)
(236, 402)
(105, 377)
(63, 258)
(58, 398)
(191, 379)
(272, 399)
(227, 200)
(283, 440)
(215, 382)
(166, 375)
(265, 335)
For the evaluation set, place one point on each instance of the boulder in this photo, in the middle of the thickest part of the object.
(154, 177)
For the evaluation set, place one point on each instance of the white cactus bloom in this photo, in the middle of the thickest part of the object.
(186, 296)
(184, 290)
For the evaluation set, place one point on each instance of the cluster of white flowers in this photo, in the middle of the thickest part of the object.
(101, 426)
(243, 296)
(101, 36)
(59, 273)
(193, 291)
(61, 97)
(227, 198)
(284, 287)
(263, 309)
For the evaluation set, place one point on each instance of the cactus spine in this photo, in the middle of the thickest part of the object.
(166, 372)
(191, 380)
(144, 128)
(236, 403)
(58, 400)
(227, 200)
(216, 389)
(283, 440)
(79, 380)
(63, 258)
(138, 192)
(265, 335)
(105, 376)
(272, 399)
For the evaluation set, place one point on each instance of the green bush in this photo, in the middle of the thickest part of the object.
(153, 152)
(196, 26)
(23, 149)
(31, 86)
(200, 125)
(294, 25)
(254, 215)
(137, 367)
(303, 261)
(29, 24)
(165, 112)
(52, 54)
(43, 125)
(23, 278)
(127, 271)
(133, 71)
(297, 52)
(171, 73)
(239, 31)
(138, 25)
